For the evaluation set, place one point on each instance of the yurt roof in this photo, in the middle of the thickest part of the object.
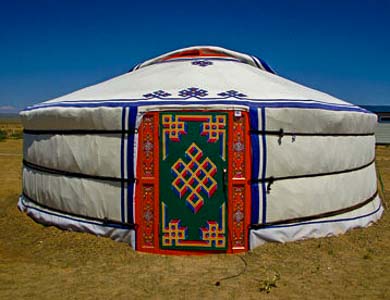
(201, 72)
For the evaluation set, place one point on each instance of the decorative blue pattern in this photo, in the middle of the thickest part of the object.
(157, 94)
(255, 103)
(202, 63)
(232, 94)
(193, 92)
(223, 98)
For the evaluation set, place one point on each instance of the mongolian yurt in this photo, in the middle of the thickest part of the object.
(202, 149)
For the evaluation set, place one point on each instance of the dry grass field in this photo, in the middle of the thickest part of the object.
(11, 127)
(38, 262)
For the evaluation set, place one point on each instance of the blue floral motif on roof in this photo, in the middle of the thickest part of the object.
(232, 94)
(202, 63)
(157, 94)
(193, 92)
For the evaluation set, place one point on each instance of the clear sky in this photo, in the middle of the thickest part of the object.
(50, 48)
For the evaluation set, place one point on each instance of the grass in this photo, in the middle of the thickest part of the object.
(39, 262)
(10, 128)
(3, 135)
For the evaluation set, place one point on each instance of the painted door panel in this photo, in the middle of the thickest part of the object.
(193, 187)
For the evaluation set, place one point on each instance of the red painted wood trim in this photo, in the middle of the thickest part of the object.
(239, 175)
(148, 177)
(196, 53)
(146, 197)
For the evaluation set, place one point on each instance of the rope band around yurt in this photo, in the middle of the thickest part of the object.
(74, 174)
(104, 221)
(78, 131)
(282, 133)
(317, 216)
(270, 180)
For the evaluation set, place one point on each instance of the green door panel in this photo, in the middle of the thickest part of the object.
(193, 199)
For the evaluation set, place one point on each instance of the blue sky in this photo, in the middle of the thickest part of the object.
(49, 48)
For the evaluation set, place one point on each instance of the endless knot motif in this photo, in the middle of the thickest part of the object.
(173, 127)
(194, 176)
(213, 128)
(213, 234)
(174, 233)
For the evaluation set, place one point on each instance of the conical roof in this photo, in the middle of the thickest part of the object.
(201, 72)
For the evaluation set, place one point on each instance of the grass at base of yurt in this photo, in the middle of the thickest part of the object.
(47, 263)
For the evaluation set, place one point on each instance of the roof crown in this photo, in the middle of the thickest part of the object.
(207, 52)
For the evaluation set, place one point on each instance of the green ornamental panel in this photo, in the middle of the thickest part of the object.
(193, 191)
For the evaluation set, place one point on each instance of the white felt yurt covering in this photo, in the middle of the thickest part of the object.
(312, 156)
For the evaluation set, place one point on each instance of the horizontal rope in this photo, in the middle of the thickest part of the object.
(314, 217)
(273, 179)
(74, 174)
(78, 131)
(105, 221)
(282, 133)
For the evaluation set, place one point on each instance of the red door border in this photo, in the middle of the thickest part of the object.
(147, 185)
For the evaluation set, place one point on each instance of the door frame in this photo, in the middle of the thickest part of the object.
(147, 213)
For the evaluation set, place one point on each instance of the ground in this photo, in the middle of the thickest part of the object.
(46, 263)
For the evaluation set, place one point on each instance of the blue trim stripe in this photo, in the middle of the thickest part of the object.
(254, 123)
(269, 103)
(71, 218)
(178, 100)
(266, 66)
(122, 165)
(143, 101)
(264, 165)
(135, 67)
(324, 221)
(256, 62)
(261, 64)
(130, 164)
